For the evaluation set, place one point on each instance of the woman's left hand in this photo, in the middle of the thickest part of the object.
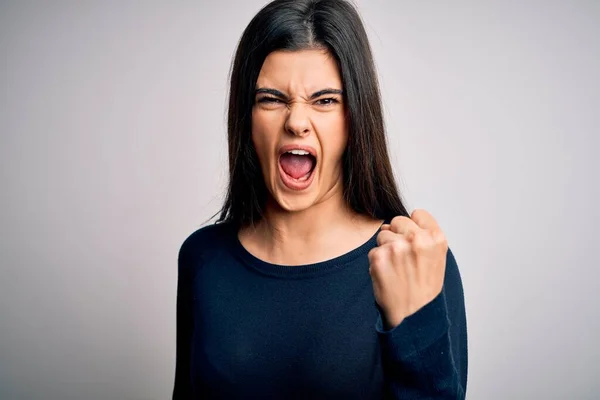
(408, 265)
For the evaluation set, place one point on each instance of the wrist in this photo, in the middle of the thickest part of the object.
(390, 321)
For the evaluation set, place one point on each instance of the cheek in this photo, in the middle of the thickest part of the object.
(258, 132)
(334, 138)
(263, 136)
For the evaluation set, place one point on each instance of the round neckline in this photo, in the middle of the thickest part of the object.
(301, 271)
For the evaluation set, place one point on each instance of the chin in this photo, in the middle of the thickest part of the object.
(294, 202)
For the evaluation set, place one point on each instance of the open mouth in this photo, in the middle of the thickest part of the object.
(296, 167)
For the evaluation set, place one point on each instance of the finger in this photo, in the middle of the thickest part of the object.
(424, 220)
(385, 227)
(404, 226)
(386, 236)
(401, 252)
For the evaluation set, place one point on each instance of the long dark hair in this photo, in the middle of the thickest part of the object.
(369, 185)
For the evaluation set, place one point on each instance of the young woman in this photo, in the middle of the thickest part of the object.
(316, 282)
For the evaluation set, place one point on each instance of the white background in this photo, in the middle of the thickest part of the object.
(113, 150)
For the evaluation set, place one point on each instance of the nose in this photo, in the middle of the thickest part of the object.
(298, 122)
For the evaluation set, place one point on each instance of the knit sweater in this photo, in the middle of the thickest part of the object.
(248, 329)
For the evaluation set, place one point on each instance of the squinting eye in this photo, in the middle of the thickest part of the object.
(269, 100)
(327, 101)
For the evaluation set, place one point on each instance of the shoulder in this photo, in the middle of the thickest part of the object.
(208, 239)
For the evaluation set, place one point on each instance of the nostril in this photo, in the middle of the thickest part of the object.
(298, 132)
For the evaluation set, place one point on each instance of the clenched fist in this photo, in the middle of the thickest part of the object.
(408, 265)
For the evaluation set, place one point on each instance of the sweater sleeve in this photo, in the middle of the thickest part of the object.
(425, 357)
(184, 325)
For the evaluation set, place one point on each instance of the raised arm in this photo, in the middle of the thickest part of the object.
(425, 356)
(422, 324)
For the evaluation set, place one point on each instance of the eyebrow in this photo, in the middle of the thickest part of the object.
(319, 93)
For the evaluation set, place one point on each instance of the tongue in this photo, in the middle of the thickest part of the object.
(296, 166)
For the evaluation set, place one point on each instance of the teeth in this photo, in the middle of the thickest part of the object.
(299, 152)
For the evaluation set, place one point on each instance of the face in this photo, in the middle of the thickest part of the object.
(299, 127)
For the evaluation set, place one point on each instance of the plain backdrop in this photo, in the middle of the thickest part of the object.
(113, 150)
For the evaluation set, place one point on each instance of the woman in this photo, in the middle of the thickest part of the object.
(316, 283)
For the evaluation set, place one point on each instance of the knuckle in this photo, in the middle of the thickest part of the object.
(375, 256)
(397, 222)
(399, 247)
(440, 239)
(419, 247)
(421, 242)
(381, 237)
(396, 219)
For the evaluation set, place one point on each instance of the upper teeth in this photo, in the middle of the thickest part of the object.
(299, 152)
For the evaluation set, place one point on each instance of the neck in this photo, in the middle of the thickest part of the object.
(325, 230)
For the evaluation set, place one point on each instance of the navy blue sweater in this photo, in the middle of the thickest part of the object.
(247, 329)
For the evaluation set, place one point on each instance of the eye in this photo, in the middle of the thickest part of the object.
(269, 100)
(327, 101)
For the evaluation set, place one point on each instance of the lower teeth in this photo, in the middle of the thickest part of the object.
(302, 178)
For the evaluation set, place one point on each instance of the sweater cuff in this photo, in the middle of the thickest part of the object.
(416, 332)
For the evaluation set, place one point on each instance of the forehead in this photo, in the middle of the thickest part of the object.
(303, 70)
